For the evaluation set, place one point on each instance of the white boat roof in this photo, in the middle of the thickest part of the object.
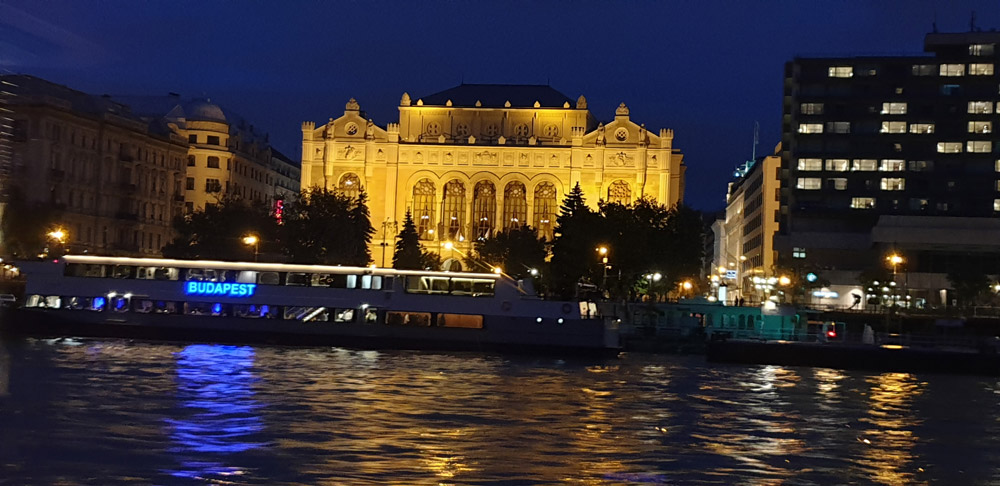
(266, 267)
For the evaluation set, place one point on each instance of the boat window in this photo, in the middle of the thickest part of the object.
(246, 276)
(157, 273)
(77, 303)
(461, 286)
(483, 287)
(166, 307)
(144, 306)
(205, 275)
(98, 303)
(255, 311)
(83, 270)
(460, 320)
(743, 322)
(371, 282)
(343, 315)
(206, 309)
(307, 314)
(371, 315)
(122, 271)
(387, 282)
(267, 278)
(352, 281)
(119, 304)
(322, 280)
(422, 319)
(297, 279)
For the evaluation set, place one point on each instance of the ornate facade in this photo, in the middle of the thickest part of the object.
(477, 159)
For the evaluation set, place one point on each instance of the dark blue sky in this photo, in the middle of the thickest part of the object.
(706, 69)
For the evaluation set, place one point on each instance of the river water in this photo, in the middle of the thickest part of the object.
(114, 412)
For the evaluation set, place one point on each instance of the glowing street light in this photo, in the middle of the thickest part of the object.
(254, 241)
(687, 285)
(784, 281)
(497, 270)
(58, 235)
(449, 245)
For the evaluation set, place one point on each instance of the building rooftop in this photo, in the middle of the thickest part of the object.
(496, 95)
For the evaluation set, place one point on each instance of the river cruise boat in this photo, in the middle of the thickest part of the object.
(191, 300)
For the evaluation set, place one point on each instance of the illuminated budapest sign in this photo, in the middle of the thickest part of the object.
(220, 289)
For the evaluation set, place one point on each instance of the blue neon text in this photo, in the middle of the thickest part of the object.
(221, 289)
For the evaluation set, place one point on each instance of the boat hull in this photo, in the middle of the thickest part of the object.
(500, 333)
(846, 356)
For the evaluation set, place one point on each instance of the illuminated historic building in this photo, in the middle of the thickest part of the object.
(227, 156)
(478, 158)
(114, 179)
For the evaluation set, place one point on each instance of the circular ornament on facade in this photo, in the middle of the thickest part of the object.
(521, 130)
(433, 128)
(621, 134)
(491, 130)
(462, 130)
(351, 128)
(551, 130)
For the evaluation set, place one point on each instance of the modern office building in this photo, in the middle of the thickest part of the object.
(893, 155)
(110, 179)
(744, 256)
(480, 158)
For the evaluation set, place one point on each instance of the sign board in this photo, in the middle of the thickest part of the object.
(731, 274)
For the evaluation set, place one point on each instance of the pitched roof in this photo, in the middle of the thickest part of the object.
(495, 95)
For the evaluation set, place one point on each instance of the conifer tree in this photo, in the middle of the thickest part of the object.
(408, 254)
(573, 254)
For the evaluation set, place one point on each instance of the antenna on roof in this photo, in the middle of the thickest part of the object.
(972, 22)
(934, 24)
(756, 139)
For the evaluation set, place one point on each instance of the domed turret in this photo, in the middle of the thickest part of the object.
(204, 110)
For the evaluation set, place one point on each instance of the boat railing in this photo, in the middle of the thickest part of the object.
(907, 340)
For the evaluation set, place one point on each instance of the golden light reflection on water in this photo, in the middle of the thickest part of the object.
(889, 439)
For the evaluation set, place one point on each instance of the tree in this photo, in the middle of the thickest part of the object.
(324, 226)
(24, 224)
(409, 254)
(517, 251)
(969, 283)
(573, 256)
(216, 232)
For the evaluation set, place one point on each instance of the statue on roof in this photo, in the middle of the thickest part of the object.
(352, 105)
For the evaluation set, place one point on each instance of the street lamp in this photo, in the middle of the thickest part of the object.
(603, 252)
(254, 241)
(58, 235)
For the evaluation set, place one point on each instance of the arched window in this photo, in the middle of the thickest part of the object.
(350, 185)
(619, 192)
(484, 208)
(515, 206)
(545, 210)
(453, 209)
(423, 208)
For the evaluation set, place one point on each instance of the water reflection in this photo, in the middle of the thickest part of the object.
(4, 370)
(889, 438)
(214, 386)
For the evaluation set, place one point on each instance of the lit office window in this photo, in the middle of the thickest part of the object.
(924, 69)
(810, 128)
(892, 165)
(809, 183)
(893, 108)
(922, 128)
(838, 183)
(810, 164)
(893, 127)
(980, 69)
(865, 165)
(862, 202)
(838, 165)
(811, 108)
(979, 146)
(981, 107)
(952, 70)
(838, 127)
(949, 147)
(981, 49)
(842, 71)
(921, 165)
(996, 204)
(996, 166)
(892, 184)
(980, 127)
(798, 252)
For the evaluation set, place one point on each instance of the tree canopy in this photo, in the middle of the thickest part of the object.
(517, 251)
(409, 254)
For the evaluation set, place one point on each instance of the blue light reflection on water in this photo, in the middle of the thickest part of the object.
(215, 385)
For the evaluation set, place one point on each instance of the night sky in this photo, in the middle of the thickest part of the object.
(706, 69)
